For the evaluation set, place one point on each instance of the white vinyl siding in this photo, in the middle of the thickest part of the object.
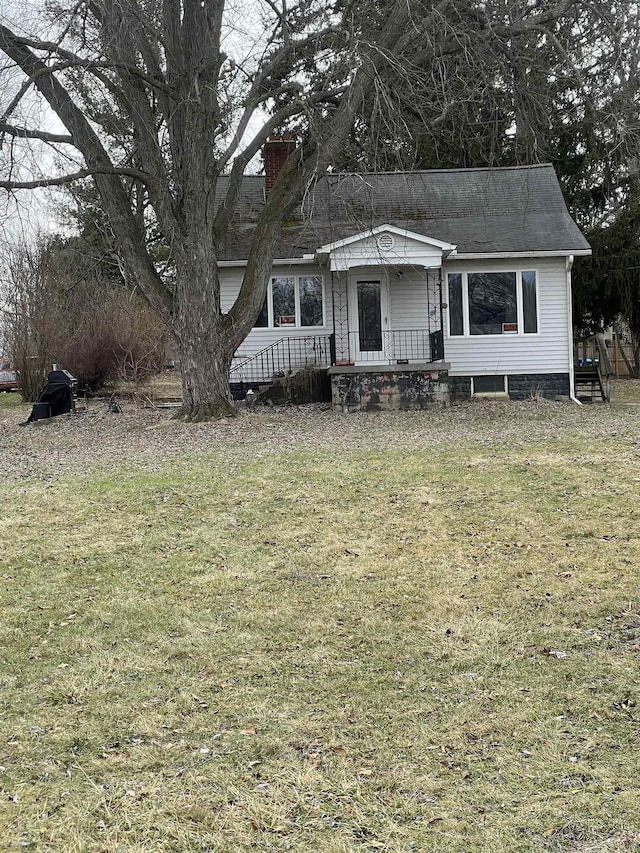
(544, 352)
(373, 251)
(409, 305)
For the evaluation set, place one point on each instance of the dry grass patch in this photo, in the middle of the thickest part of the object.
(626, 391)
(426, 645)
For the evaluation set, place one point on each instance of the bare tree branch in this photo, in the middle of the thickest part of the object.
(98, 162)
(28, 133)
(256, 94)
(68, 179)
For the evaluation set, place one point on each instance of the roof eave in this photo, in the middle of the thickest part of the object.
(536, 253)
(322, 257)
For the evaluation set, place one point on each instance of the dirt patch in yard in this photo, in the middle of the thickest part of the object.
(96, 437)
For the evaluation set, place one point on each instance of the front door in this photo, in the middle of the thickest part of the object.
(369, 319)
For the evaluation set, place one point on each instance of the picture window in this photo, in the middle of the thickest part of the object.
(293, 302)
(493, 303)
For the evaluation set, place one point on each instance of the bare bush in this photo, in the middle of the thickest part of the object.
(31, 309)
(119, 339)
(94, 327)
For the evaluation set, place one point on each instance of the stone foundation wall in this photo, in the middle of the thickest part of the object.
(460, 387)
(522, 386)
(386, 390)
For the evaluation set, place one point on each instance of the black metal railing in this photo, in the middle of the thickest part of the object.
(396, 347)
(294, 353)
(283, 357)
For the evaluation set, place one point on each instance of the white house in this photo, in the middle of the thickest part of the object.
(414, 287)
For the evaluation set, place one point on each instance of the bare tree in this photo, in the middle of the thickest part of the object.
(29, 318)
(62, 304)
(155, 111)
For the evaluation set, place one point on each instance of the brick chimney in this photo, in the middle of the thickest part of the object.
(275, 152)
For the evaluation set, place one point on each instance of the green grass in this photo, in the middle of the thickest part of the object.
(400, 651)
(11, 400)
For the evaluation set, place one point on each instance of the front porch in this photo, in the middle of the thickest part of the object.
(388, 317)
(386, 297)
(383, 307)
(391, 347)
(405, 354)
(379, 316)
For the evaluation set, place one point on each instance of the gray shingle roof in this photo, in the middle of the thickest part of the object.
(515, 209)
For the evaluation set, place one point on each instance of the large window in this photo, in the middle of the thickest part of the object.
(293, 301)
(493, 303)
(283, 294)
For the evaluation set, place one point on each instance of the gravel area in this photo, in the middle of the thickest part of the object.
(97, 438)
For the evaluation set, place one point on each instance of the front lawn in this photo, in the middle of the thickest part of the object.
(301, 631)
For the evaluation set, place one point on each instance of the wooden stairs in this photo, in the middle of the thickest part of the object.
(589, 387)
(592, 370)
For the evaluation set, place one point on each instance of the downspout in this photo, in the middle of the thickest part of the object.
(572, 383)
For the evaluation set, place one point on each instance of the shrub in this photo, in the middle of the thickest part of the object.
(63, 309)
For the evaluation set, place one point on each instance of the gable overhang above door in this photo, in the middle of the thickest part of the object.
(385, 246)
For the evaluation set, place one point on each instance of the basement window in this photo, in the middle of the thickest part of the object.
(489, 386)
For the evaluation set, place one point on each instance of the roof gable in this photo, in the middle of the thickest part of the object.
(391, 230)
(385, 245)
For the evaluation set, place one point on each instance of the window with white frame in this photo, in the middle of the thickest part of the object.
(493, 303)
(293, 301)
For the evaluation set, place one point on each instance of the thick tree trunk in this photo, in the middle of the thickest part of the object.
(205, 364)
(204, 345)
